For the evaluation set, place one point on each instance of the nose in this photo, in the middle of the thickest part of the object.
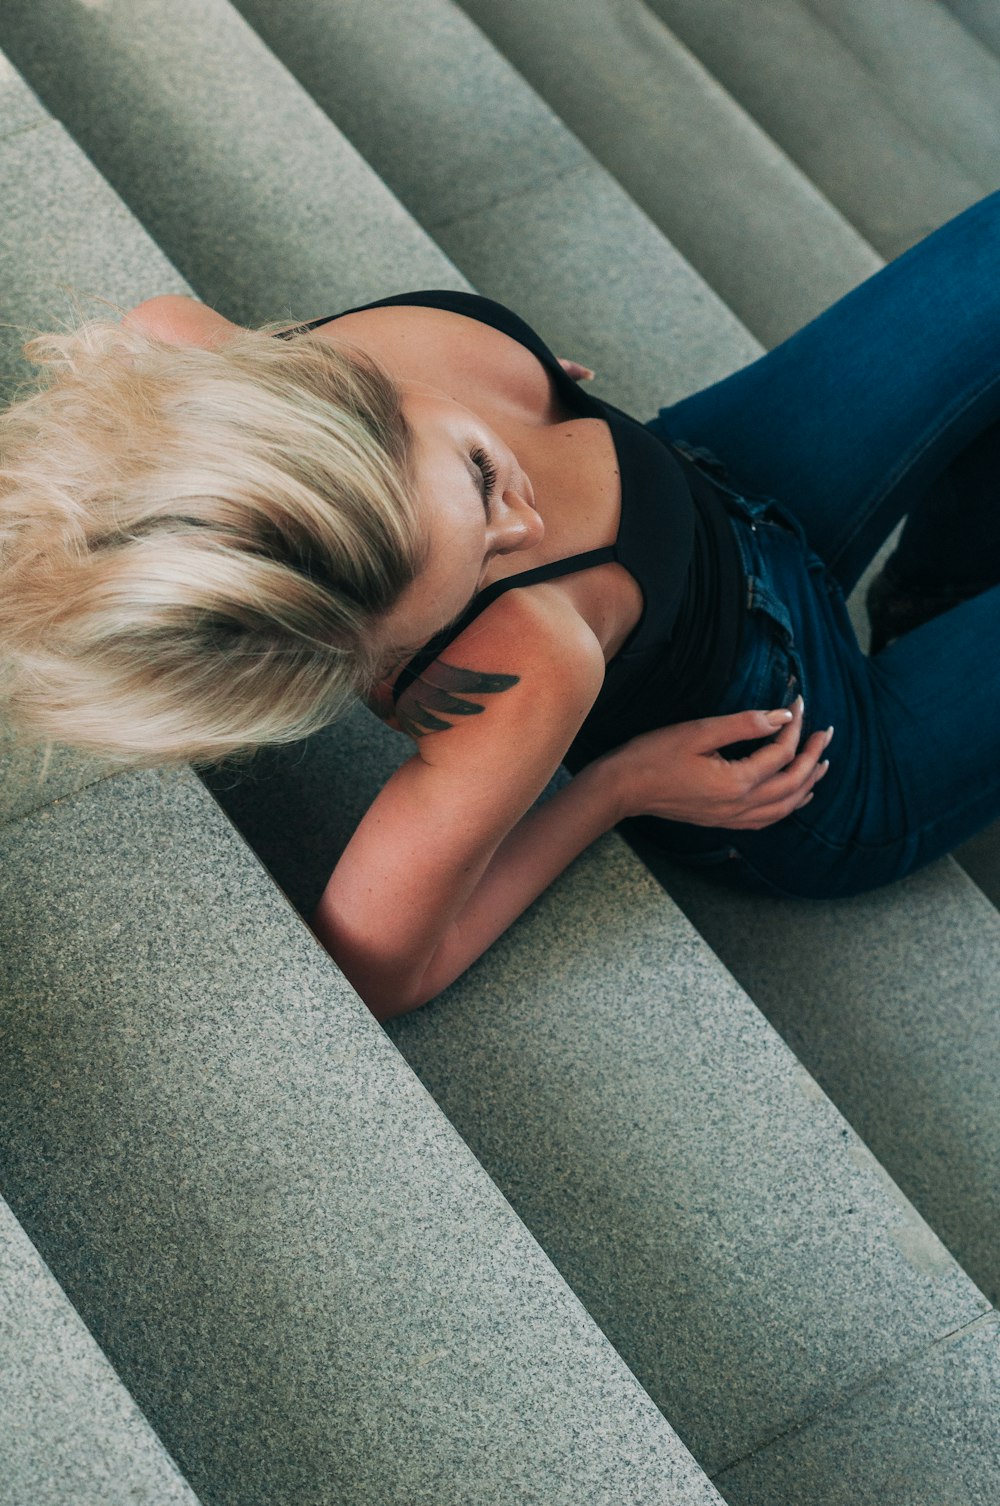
(522, 527)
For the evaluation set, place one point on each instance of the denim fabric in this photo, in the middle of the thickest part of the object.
(887, 405)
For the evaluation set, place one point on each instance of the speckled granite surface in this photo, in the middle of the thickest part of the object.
(724, 1225)
(299, 1270)
(70, 1434)
(922, 1434)
(231, 167)
(901, 1033)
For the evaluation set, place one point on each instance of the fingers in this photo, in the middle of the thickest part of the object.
(575, 370)
(780, 751)
(716, 732)
(756, 817)
(790, 789)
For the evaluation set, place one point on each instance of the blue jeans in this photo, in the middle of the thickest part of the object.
(887, 405)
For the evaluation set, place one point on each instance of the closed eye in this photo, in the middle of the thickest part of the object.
(488, 471)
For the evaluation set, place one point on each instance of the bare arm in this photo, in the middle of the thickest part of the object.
(180, 320)
(450, 853)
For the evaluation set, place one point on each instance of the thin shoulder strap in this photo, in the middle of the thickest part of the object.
(436, 645)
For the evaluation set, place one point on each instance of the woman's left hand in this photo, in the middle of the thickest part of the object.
(679, 773)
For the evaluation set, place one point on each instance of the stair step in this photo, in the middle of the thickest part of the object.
(981, 18)
(686, 152)
(469, 183)
(71, 1433)
(896, 1019)
(925, 1434)
(301, 1273)
(219, 175)
(832, 117)
(935, 74)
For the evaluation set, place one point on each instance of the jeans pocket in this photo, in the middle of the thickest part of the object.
(768, 672)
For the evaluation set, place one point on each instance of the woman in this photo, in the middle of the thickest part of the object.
(212, 538)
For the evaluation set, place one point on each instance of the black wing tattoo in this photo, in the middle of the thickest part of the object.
(439, 693)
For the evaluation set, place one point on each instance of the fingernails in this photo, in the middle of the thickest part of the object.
(829, 734)
(821, 768)
(798, 704)
(779, 718)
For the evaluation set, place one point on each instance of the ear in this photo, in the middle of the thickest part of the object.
(180, 320)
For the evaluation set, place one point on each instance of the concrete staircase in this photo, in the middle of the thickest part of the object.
(585, 1229)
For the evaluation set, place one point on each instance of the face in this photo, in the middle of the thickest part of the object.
(474, 503)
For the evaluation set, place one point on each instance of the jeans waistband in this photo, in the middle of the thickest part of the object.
(753, 507)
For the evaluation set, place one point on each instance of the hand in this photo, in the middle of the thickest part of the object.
(679, 774)
(576, 371)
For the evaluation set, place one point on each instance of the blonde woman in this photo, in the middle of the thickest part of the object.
(213, 538)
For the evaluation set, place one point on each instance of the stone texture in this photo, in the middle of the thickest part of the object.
(298, 1269)
(70, 1435)
(230, 166)
(895, 1016)
(823, 107)
(980, 858)
(980, 18)
(927, 1432)
(939, 79)
(20, 110)
(646, 323)
(649, 324)
(726, 1228)
(688, 154)
(448, 126)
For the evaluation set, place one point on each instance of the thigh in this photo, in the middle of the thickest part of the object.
(849, 422)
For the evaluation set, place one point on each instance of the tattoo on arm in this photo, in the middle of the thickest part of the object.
(440, 693)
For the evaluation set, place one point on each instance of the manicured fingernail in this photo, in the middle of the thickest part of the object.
(779, 718)
(822, 767)
(799, 703)
(829, 733)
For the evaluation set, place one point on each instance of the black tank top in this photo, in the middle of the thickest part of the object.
(674, 539)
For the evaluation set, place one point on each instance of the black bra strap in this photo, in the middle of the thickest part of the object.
(299, 329)
(486, 597)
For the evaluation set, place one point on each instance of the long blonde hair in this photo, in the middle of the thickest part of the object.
(196, 544)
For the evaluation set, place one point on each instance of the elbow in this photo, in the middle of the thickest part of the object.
(385, 992)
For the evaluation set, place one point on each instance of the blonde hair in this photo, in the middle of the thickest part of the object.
(196, 544)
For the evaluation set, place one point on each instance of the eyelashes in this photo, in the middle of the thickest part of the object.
(480, 458)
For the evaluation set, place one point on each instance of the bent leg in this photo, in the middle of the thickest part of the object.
(866, 413)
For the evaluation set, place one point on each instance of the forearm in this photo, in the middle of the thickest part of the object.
(542, 844)
(399, 952)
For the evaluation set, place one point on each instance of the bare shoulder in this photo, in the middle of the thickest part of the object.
(473, 360)
(521, 677)
(180, 320)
